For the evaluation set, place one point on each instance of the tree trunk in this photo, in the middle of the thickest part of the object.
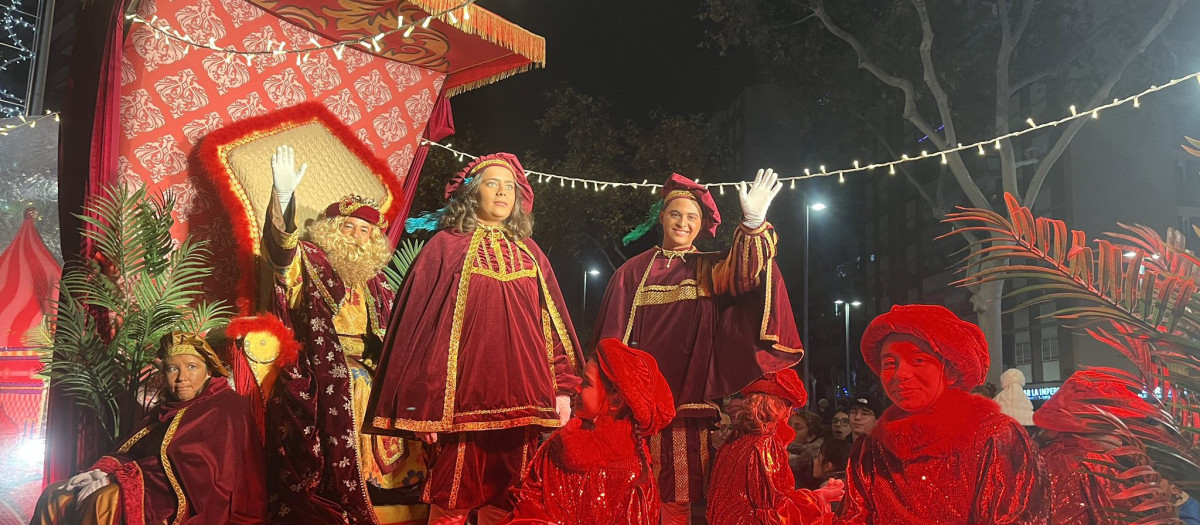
(987, 303)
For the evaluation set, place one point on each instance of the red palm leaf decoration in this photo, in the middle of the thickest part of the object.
(1132, 290)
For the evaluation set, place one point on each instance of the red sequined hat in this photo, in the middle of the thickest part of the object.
(961, 344)
(507, 160)
(636, 376)
(678, 186)
(357, 207)
(1082, 393)
(784, 383)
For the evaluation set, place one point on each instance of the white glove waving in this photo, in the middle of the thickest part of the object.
(83, 478)
(757, 197)
(286, 176)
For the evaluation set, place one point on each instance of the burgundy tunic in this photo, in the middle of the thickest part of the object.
(480, 340)
(195, 462)
(961, 462)
(714, 322)
(753, 485)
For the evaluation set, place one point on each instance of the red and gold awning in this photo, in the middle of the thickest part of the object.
(473, 52)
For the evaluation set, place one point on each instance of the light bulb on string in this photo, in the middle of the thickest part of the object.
(1072, 108)
(822, 168)
(997, 144)
(1136, 103)
(793, 184)
(425, 23)
(807, 173)
(466, 12)
(1030, 122)
(981, 152)
(841, 178)
(856, 164)
(891, 169)
(453, 19)
(408, 32)
(1095, 114)
(944, 158)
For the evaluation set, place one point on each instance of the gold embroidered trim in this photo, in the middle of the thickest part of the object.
(315, 279)
(505, 277)
(705, 404)
(503, 410)
(134, 439)
(181, 505)
(559, 326)
(460, 307)
(441, 426)
(548, 337)
(290, 240)
(704, 464)
(636, 294)
(687, 290)
(458, 468)
(680, 462)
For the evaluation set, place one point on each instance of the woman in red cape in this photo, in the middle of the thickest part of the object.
(480, 355)
(596, 470)
(752, 483)
(196, 459)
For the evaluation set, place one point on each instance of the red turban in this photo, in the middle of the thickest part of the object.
(357, 207)
(784, 383)
(678, 186)
(1083, 389)
(507, 160)
(959, 343)
(635, 375)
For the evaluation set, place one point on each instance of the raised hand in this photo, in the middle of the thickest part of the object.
(757, 197)
(284, 173)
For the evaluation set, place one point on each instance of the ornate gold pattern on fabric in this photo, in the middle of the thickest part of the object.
(688, 290)
(315, 279)
(679, 193)
(293, 283)
(459, 456)
(656, 453)
(460, 307)
(679, 459)
(698, 406)
(290, 240)
(548, 336)
(560, 327)
(181, 505)
(358, 459)
(704, 464)
(182, 349)
(439, 426)
(503, 410)
(633, 308)
(487, 164)
(351, 318)
(133, 439)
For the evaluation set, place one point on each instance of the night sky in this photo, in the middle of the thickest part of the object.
(639, 56)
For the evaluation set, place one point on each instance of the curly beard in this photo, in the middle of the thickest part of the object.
(354, 261)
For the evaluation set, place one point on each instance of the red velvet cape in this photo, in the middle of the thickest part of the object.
(312, 450)
(1076, 489)
(196, 462)
(471, 347)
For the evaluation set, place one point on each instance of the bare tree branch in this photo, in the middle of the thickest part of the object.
(911, 113)
(607, 259)
(1008, 43)
(930, 74)
(1026, 81)
(1060, 145)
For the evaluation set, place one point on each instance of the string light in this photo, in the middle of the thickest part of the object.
(891, 165)
(371, 42)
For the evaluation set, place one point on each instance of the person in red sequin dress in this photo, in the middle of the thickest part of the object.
(481, 356)
(1080, 485)
(596, 470)
(940, 455)
(752, 483)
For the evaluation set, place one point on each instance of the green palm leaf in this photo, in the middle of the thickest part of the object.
(402, 260)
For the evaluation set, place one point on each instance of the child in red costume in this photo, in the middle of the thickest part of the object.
(940, 455)
(596, 469)
(752, 483)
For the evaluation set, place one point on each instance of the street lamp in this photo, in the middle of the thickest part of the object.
(816, 206)
(846, 306)
(583, 300)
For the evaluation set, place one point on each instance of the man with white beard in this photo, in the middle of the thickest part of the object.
(331, 291)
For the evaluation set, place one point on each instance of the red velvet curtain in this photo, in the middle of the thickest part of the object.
(440, 126)
(90, 122)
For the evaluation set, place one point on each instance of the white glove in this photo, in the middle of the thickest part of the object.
(92, 486)
(831, 491)
(562, 405)
(83, 478)
(757, 198)
(286, 177)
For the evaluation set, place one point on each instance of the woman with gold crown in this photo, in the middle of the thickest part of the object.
(196, 458)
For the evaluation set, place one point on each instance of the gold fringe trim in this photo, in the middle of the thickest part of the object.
(492, 28)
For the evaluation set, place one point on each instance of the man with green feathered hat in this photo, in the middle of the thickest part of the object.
(714, 321)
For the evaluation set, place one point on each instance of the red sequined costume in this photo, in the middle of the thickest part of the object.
(752, 483)
(959, 461)
(1079, 488)
(714, 322)
(478, 350)
(592, 472)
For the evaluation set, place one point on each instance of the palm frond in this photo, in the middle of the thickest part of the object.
(1132, 290)
(402, 260)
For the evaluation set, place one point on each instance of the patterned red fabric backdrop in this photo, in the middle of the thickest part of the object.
(173, 95)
